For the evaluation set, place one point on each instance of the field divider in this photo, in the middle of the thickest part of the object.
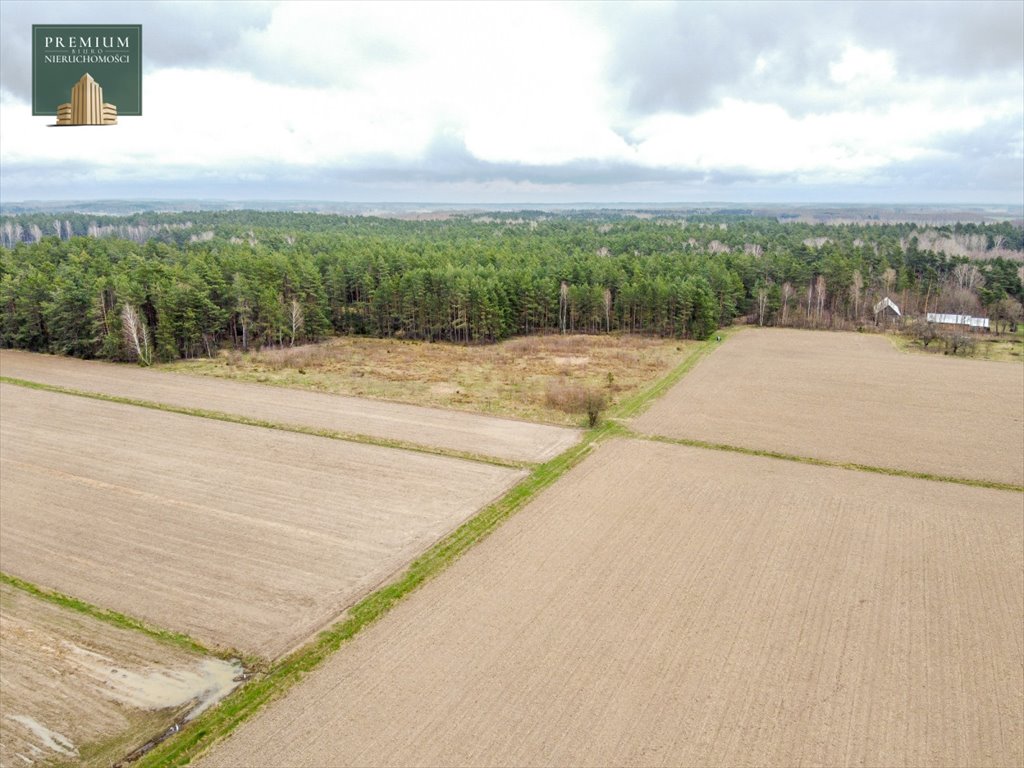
(233, 418)
(849, 465)
(124, 621)
(637, 404)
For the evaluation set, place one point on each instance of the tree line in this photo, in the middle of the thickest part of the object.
(186, 285)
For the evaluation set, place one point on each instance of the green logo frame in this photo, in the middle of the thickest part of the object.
(110, 53)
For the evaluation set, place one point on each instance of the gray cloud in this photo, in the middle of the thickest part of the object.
(955, 179)
(179, 34)
(679, 58)
(687, 57)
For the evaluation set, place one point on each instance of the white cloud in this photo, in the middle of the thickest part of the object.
(859, 65)
(322, 87)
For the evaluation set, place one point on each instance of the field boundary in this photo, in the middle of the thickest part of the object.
(120, 620)
(637, 404)
(330, 434)
(849, 465)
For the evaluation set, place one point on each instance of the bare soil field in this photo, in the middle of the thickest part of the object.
(76, 689)
(852, 398)
(510, 378)
(239, 536)
(665, 605)
(473, 433)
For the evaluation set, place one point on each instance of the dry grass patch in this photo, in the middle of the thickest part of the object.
(1006, 347)
(513, 378)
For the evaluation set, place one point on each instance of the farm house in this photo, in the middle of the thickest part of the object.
(965, 320)
(887, 310)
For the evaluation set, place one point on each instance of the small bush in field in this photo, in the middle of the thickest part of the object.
(573, 397)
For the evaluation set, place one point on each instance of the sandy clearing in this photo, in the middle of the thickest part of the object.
(487, 435)
(663, 605)
(73, 687)
(239, 536)
(852, 397)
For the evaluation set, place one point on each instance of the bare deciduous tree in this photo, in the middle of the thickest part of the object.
(787, 293)
(136, 335)
(607, 309)
(967, 277)
(297, 319)
(888, 279)
(762, 301)
(563, 304)
(856, 286)
(819, 290)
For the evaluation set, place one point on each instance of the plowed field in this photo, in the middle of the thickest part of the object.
(472, 433)
(664, 605)
(852, 398)
(239, 536)
(76, 689)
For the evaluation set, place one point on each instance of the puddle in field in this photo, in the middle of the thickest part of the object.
(50, 739)
(205, 683)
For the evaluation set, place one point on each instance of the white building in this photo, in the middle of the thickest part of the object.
(967, 320)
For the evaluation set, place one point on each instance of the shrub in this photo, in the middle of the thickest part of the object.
(573, 397)
(925, 332)
(960, 341)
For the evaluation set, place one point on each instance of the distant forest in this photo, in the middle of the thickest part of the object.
(161, 286)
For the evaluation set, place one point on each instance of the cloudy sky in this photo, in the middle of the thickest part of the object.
(536, 102)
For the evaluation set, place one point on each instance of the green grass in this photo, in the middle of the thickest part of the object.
(828, 463)
(116, 619)
(351, 437)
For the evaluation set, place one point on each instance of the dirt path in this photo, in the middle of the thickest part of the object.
(239, 536)
(854, 398)
(473, 433)
(79, 689)
(663, 605)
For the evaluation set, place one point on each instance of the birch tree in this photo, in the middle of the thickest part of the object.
(856, 286)
(136, 335)
(297, 319)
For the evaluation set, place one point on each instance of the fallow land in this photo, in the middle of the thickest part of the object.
(667, 605)
(517, 377)
(852, 398)
(238, 536)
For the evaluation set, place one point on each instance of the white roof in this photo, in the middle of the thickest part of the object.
(973, 322)
(887, 302)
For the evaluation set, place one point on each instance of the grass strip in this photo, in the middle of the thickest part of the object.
(350, 437)
(218, 722)
(637, 404)
(829, 463)
(113, 617)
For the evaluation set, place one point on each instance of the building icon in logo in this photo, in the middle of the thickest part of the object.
(86, 106)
